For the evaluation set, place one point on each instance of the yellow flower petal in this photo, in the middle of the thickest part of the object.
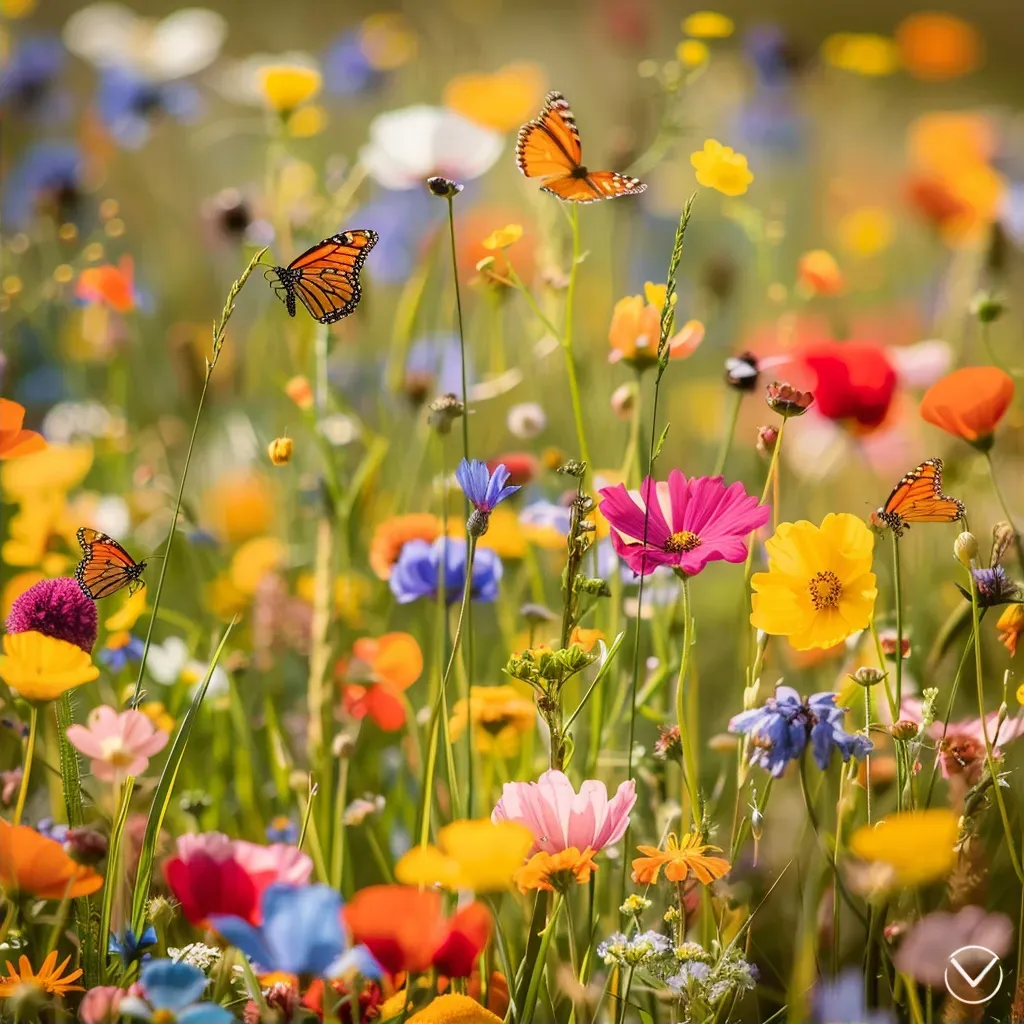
(502, 238)
(454, 1009)
(427, 865)
(692, 53)
(918, 845)
(488, 853)
(861, 53)
(128, 614)
(307, 121)
(708, 25)
(721, 168)
(286, 86)
(41, 668)
(254, 560)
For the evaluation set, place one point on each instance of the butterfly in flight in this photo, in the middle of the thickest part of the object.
(325, 278)
(918, 498)
(105, 567)
(549, 148)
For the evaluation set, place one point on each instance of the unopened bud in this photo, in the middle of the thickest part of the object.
(887, 641)
(85, 845)
(767, 438)
(444, 411)
(280, 450)
(987, 307)
(756, 824)
(868, 676)
(903, 730)
(624, 400)
(965, 548)
(479, 520)
(1003, 535)
(572, 468)
(787, 401)
(443, 188)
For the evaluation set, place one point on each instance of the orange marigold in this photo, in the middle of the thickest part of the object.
(680, 859)
(394, 533)
(551, 871)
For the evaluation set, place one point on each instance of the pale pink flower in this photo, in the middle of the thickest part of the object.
(559, 817)
(100, 1005)
(117, 744)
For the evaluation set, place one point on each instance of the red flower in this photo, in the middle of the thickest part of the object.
(522, 466)
(380, 671)
(405, 929)
(854, 381)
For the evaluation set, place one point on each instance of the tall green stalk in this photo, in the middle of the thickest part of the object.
(567, 335)
(689, 771)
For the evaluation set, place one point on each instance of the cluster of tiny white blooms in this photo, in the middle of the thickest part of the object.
(195, 954)
(649, 951)
(707, 978)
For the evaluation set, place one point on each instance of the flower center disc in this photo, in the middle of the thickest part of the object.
(825, 590)
(681, 542)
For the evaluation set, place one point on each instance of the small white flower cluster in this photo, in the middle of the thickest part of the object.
(195, 954)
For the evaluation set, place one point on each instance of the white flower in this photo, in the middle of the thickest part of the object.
(166, 661)
(408, 146)
(194, 672)
(526, 420)
(110, 35)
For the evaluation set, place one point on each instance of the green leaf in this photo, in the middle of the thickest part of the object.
(660, 444)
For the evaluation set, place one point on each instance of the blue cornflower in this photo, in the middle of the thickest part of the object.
(841, 1001)
(48, 175)
(779, 731)
(416, 572)
(131, 947)
(28, 79)
(485, 490)
(347, 71)
(128, 104)
(300, 933)
(282, 830)
(118, 657)
(172, 992)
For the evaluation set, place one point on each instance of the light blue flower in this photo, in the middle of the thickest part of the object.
(172, 992)
(416, 572)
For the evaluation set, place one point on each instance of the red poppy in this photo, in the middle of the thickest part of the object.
(854, 381)
(405, 929)
(522, 466)
(381, 668)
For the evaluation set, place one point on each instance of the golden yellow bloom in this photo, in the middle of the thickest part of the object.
(128, 614)
(721, 168)
(862, 53)
(50, 979)
(501, 716)
(636, 329)
(708, 25)
(551, 871)
(287, 86)
(866, 231)
(505, 535)
(156, 711)
(453, 1009)
(239, 506)
(585, 638)
(38, 530)
(472, 854)
(279, 451)
(1010, 626)
(502, 100)
(41, 668)
(819, 588)
(692, 53)
(254, 560)
(224, 599)
(918, 846)
(502, 238)
(57, 468)
(307, 121)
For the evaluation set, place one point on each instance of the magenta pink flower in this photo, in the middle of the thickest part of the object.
(57, 608)
(559, 817)
(118, 744)
(689, 522)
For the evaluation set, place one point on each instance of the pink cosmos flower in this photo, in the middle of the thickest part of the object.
(691, 522)
(118, 745)
(559, 817)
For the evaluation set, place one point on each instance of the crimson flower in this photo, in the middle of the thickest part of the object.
(855, 381)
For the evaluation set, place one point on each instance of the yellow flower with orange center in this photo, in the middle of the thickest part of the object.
(551, 871)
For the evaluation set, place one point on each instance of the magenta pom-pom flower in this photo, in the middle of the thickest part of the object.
(57, 608)
(688, 522)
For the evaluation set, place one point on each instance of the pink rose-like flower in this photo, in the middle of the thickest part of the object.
(100, 1005)
(689, 522)
(559, 817)
(117, 744)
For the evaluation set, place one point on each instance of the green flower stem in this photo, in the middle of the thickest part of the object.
(867, 758)
(949, 711)
(730, 430)
(689, 770)
(26, 773)
(1011, 848)
(897, 583)
(1018, 546)
(773, 468)
(570, 361)
(530, 1003)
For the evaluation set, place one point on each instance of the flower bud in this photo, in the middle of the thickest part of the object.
(767, 438)
(987, 307)
(965, 548)
(572, 468)
(669, 745)
(343, 745)
(280, 450)
(1003, 535)
(903, 730)
(299, 390)
(478, 522)
(624, 400)
(443, 188)
(756, 824)
(741, 372)
(867, 676)
(444, 411)
(887, 641)
(787, 401)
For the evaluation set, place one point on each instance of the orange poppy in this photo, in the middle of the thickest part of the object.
(969, 403)
(393, 534)
(15, 442)
(385, 667)
(39, 866)
(109, 285)
(937, 46)
(405, 929)
(550, 871)
(680, 859)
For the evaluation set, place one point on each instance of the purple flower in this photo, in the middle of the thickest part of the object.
(485, 490)
(402, 219)
(416, 572)
(347, 71)
(52, 829)
(49, 175)
(841, 1001)
(57, 608)
(994, 587)
(779, 731)
(128, 104)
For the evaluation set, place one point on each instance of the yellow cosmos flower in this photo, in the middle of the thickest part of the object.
(41, 668)
(502, 101)
(472, 854)
(500, 716)
(287, 86)
(128, 614)
(861, 53)
(819, 588)
(918, 846)
(721, 168)
(454, 1009)
(692, 53)
(503, 237)
(254, 560)
(708, 25)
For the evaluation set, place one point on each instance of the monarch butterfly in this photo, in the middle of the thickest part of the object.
(918, 498)
(549, 148)
(106, 567)
(325, 277)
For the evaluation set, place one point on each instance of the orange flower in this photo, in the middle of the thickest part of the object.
(936, 46)
(50, 980)
(109, 285)
(680, 859)
(585, 638)
(33, 864)
(550, 871)
(393, 534)
(819, 273)
(15, 442)
(390, 665)
(969, 403)
(1010, 626)
(636, 330)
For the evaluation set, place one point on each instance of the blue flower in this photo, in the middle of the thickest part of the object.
(416, 572)
(128, 104)
(779, 732)
(29, 77)
(172, 992)
(282, 830)
(117, 658)
(485, 490)
(841, 1001)
(51, 829)
(50, 175)
(301, 933)
(130, 947)
(347, 72)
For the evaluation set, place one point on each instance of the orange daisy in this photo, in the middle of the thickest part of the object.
(394, 533)
(550, 871)
(680, 859)
(50, 979)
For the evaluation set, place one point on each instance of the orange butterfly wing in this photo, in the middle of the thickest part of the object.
(549, 148)
(106, 567)
(918, 498)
